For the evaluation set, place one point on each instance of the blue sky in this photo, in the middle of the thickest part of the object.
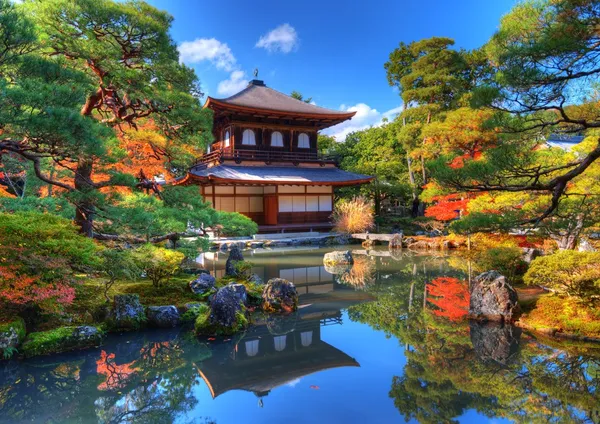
(332, 51)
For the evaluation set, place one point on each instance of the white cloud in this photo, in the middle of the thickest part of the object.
(293, 383)
(282, 39)
(211, 49)
(365, 117)
(236, 82)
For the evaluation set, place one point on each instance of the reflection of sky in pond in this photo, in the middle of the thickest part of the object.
(341, 359)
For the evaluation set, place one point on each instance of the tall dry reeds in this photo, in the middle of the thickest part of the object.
(353, 216)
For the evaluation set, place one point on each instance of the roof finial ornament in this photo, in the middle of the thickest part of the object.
(255, 72)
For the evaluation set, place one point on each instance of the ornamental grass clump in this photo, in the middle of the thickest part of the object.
(353, 216)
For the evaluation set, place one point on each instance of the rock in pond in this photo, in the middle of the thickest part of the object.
(235, 256)
(225, 316)
(127, 312)
(61, 340)
(493, 299)
(395, 241)
(163, 316)
(280, 295)
(11, 336)
(205, 283)
(338, 257)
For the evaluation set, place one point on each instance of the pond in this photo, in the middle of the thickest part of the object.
(369, 346)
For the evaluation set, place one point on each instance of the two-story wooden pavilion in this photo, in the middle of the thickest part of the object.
(265, 164)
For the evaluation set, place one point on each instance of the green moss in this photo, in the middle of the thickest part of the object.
(58, 340)
(192, 314)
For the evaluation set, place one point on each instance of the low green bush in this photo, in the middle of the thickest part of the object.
(157, 262)
(508, 261)
(569, 273)
(233, 224)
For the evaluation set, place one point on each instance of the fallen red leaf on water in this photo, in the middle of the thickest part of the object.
(212, 338)
(315, 387)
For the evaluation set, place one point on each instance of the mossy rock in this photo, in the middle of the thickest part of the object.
(127, 313)
(61, 340)
(204, 326)
(12, 335)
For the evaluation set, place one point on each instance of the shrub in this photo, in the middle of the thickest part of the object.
(117, 265)
(353, 216)
(235, 224)
(157, 262)
(567, 272)
(38, 256)
(506, 260)
(243, 269)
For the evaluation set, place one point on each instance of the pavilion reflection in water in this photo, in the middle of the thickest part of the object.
(272, 354)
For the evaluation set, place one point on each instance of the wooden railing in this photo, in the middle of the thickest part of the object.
(264, 155)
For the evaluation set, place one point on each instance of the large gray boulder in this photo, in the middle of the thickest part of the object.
(494, 342)
(127, 312)
(338, 257)
(163, 316)
(530, 253)
(205, 283)
(280, 295)
(493, 299)
(235, 256)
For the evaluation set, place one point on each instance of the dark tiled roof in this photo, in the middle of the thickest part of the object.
(259, 96)
(279, 174)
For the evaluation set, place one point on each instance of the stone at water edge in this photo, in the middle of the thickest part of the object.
(235, 256)
(493, 299)
(225, 316)
(163, 316)
(127, 311)
(11, 335)
(203, 284)
(395, 241)
(280, 295)
(338, 269)
(338, 257)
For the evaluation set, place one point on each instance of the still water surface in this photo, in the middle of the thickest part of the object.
(369, 346)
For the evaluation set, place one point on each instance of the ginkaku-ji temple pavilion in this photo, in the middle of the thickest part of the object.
(265, 164)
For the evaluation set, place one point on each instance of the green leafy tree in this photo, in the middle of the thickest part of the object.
(82, 71)
(375, 151)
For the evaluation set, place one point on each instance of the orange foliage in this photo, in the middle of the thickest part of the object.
(447, 207)
(451, 296)
(20, 289)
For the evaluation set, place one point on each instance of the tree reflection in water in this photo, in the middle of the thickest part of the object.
(453, 365)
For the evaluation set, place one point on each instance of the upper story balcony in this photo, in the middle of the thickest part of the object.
(268, 156)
